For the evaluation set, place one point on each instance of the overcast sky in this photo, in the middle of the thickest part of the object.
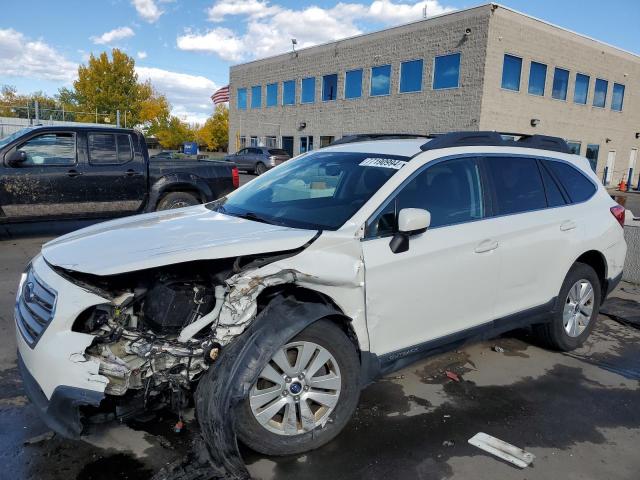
(186, 46)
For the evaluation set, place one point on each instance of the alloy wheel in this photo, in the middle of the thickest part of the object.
(297, 390)
(578, 308)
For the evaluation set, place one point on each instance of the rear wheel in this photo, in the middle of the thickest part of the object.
(304, 395)
(260, 168)
(578, 306)
(177, 200)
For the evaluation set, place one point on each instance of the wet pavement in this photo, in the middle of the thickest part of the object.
(577, 413)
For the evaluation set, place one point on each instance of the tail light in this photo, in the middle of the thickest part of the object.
(272, 160)
(618, 212)
(235, 176)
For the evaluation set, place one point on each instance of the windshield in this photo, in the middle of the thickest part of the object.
(11, 137)
(319, 190)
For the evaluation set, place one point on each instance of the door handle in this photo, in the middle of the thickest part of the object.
(568, 225)
(486, 246)
(73, 173)
(132, 173)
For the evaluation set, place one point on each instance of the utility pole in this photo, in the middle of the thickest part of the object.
(96, 114)
(118, 118)
(37, 106)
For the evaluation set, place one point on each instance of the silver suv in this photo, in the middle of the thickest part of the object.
(258, 159)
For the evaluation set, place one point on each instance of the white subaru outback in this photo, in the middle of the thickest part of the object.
(272, 307)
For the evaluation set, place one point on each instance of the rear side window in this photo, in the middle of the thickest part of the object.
(124, 148)
(554, 195)
(517, 185)
(277, 151)
(579, 187)
(109, 149)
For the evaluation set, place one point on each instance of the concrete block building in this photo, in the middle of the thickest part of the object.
(483, 68)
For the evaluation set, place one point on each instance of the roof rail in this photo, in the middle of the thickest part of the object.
(496, 139)
(365, 137)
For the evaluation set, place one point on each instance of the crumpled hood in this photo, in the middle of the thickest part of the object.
(169, 237)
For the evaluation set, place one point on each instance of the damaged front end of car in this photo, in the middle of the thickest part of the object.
(164, 327)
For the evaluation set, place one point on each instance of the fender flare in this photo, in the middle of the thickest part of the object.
(173, 180)
(229, 380)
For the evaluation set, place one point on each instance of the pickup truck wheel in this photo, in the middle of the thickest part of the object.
(177, 200)
(305, 394)
(577, 309)
(260, 168)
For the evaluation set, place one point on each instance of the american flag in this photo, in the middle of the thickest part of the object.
(221, 95)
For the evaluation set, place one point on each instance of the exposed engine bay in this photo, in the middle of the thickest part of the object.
(163, 328)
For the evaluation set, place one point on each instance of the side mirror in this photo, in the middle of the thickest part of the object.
(411, 221)
(16, 157)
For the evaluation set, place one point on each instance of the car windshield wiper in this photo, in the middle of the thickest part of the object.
(253, 216)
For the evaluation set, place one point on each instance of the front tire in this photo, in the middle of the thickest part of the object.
(577, 310)
(305, 394)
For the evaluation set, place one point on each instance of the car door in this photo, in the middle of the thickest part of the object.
(48, 183)
(255, 156)
(116, 172)
(240, 158)
(534, 229)
(446, 282)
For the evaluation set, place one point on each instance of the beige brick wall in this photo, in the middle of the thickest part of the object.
(531, 39)
(426, 111)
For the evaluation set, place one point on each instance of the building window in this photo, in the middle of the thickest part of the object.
(256, 96)
(537, 78)
(600, 93)
(270, 141)
(329, 87)
(617, 98)
(306, 144)
(411, 76)
(511, 72)
(253, 141)
(446, 71)
(574, 147)
(289, 92)
(308, 94)
(242, 99)
(560, 84)
(272, 95)
(353, 84)
(243, 141)
(326, 140)
(582, 89)
(380, 80)
(592, 155)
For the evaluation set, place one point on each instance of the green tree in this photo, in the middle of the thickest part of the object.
(13, 104)
(108, 84)
(173, 132)
(215, 131)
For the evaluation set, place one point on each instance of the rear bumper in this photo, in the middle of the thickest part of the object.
(61, 412)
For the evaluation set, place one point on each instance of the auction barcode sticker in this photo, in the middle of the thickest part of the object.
(383, 162)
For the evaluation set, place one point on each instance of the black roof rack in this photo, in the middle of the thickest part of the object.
(496, 139)
(365, 137)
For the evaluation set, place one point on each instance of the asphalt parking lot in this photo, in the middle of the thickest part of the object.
(577, 413)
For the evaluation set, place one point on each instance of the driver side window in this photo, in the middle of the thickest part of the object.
(50, 149)
(450, 190)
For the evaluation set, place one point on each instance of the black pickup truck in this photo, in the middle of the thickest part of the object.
(84, 171)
